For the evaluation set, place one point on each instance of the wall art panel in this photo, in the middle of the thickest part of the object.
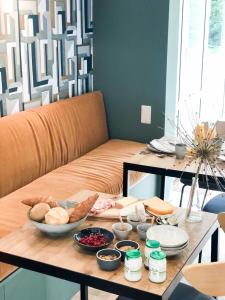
(46, 52)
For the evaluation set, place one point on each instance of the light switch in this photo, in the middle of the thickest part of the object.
(146, 112)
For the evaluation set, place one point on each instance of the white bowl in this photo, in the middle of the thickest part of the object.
(142, 230)
(58, 230)
(121, 234)
(168, 235)
(131, 219)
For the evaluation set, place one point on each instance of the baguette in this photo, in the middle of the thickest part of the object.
(83, 208)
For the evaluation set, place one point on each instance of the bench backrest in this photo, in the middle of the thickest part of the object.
(34, 142)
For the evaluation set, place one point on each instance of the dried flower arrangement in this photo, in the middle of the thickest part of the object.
(203, 149)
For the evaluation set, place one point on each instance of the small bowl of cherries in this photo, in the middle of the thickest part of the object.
(93, 239)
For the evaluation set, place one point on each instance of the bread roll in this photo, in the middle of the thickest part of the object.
(38, 212)
(40, 199)
(57, 216)
(83, 208)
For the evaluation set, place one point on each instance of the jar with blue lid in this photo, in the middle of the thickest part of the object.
(133, 265)
(157, 266)
(150, 246)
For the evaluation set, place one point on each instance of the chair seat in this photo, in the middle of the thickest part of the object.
(182, 292)
(215, 205)
(211, 185)
(187, 292)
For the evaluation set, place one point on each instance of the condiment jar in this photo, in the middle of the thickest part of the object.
(150, 246)
(157, 266)
(133, 265)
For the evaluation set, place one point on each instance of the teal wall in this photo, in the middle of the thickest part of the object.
(130, 58)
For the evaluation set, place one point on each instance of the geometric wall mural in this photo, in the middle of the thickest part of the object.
(46, 52)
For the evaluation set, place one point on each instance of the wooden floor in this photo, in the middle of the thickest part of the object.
(94, 294)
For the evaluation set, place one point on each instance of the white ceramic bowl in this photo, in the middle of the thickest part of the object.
(142, 230)
(121, 234)
(131, 219)
(58, 230)
(168, 235)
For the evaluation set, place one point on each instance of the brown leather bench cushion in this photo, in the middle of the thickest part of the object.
(99, 170)
(38, 141)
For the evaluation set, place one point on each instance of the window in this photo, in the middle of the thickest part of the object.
(202, 65)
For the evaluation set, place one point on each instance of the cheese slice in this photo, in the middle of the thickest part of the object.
(158, 207)
(125, 201)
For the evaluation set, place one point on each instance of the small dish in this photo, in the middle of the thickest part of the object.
(108, 235)
(133, 220)
(108, 265)
(120, 245)
(121, 234)
(142, 230)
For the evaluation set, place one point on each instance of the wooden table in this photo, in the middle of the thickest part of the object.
(29, 249)
(164, 166)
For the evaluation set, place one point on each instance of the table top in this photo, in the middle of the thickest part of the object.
(170, 163)
(30, 249)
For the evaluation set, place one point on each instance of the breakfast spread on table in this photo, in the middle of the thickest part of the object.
(161, 241)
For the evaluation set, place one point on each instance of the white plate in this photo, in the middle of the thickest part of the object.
(168, 235)
(163, 146)
(174, 248)
(173, 252)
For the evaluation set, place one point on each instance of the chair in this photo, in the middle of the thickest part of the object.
(216, 205)
(207, 280)
(221, 219)
(211, 185)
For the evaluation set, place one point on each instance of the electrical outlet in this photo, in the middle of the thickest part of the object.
(146, 112)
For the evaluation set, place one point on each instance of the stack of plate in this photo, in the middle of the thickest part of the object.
(163, 145)
(173, 240)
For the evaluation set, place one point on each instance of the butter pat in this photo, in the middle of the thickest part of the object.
(125, 201)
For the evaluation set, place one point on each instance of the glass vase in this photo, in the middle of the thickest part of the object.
(194, 209)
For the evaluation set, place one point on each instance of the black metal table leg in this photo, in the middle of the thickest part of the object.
(83, 292)
(162, 188)
(215, 246)
(125, 180)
